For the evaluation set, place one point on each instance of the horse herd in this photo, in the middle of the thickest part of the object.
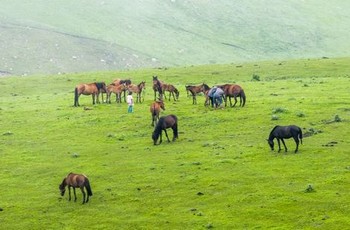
(120, 87)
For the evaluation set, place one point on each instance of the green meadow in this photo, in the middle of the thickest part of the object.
(219, 174)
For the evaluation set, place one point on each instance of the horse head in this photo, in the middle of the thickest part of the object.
(161, 103)
(62, 189)
(271, 143)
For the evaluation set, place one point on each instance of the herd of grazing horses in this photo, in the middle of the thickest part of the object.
(120, 87)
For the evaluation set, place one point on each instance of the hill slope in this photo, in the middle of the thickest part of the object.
(64, 36)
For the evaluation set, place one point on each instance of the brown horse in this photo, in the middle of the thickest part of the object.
(76, 181)
(206, 89)
(93, 89)
(155, 111)
(118, 81)
(164, 123)
(157, 88)
(172, 91)
(233, 90)
(196, 89)
(117, 89)
(138, 90)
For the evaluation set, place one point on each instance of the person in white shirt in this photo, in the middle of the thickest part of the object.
(130, 101)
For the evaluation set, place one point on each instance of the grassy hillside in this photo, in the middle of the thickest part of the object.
(219, 174)
(64, 36)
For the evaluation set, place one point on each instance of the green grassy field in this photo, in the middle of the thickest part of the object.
(219, 174)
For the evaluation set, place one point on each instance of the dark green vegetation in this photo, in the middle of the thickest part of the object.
(72, 36)
(219, 174)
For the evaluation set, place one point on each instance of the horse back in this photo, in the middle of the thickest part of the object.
(75, 180)
(170, 121)
(232, 89)
(87, 89)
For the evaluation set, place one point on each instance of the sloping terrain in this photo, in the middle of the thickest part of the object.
(64, 36)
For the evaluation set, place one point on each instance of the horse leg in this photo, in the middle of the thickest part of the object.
(160, 137)
(76, 97)
(93, 98)
(284, 144)
(235, 97)
(297, 143)
(166, 134)
(279, 145)
(69, 193)
(153, 120)
(87, 197)
(82, 190)
(98, 97)
(230, 98)
(175, 133)
(75, 195)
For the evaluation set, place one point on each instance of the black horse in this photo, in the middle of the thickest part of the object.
(281, 132)
(164, 123)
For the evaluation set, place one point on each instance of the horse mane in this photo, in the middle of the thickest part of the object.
(206, 87)
(273, 131)
(140, 84)
(126, 81)
(100, 85)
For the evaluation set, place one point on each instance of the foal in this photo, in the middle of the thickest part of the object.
(76, 181)
(155, 111)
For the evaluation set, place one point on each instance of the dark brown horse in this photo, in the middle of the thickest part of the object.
(164, 123)
(233, 90)
(157, 88)
(76, 181)
(285, 132)
(93, 89)
(137, 89)
(172, 91)
(126, 82)
(155, 111)
(117, 90)
(196, 89)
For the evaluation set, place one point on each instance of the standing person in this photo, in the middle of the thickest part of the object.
(130, 101)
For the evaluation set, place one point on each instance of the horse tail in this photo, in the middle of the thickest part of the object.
(76, 96)
(243, 97)
(301, 136)
(88, 188)
(154, 112)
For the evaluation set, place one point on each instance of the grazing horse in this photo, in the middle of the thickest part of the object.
(93, 89)
(233, 90)
(281, 132)
(164, 123)
(172, 91)
(155, 111)
(76, 181)
(196, 89)
(137, 89)
(157, 88)
(117, 89)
